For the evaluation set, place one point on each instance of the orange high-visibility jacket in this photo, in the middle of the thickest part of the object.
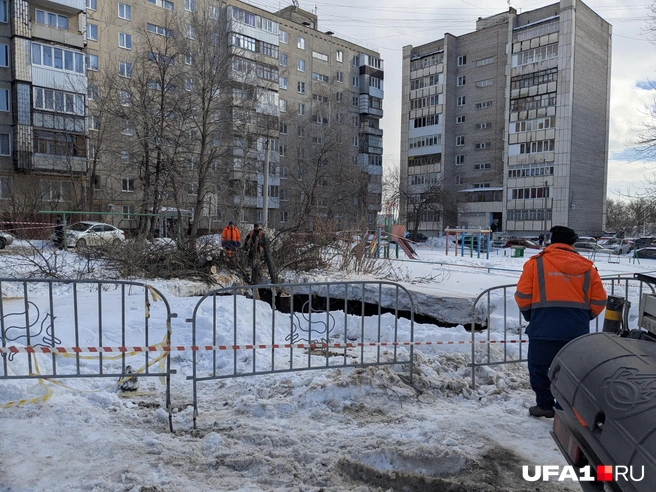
(230, 233)
(558, 293)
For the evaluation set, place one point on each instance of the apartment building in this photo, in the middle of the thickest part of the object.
(106, 108)
(509, 123)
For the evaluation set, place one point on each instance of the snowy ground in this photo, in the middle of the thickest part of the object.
(324, 430)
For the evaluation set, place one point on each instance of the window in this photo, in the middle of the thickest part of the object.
(460, 160)
(125, 156)
(460, 119)
(190, 5)
(283, 128)
(301, 108)
(355, 81)
(460, 140)
(190, 32)
(58, 58)
(340, 77)
(356, 141)
(214, 12)
(56, 21)
(300, 43)
(92, 4)
(483, 105)
(59, 101)
(92, 92)
(282, 59)
(355, 101)
(4, 99)
(125, 40)
(125, 69)
(320, 77)
(162, 3)
(479, 167)
(482, 126)
(128, 212)
(162, 31)
(92, 62)
(94, 123)
(283, 36)
(124, 11)
(92, 32)
(460, 81)
(300, 131)
(320, 56)
(127, 128)
(484, 83)
(339, 56)
(462, 60)
(126, 98)
(127, 184)
(5, 148)
(283, 105)
(484, 61)
(4, 55)
(301, 88)
(3, 11)
(338, 97)
(460, 101)
(300, 65)
(483, 145)
(283, 82)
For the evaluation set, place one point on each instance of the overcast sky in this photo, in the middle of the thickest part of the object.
(389, 25)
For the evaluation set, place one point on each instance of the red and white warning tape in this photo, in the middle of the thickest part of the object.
(183, 348)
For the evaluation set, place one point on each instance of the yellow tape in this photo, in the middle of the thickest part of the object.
(27, 401)
(613, 315)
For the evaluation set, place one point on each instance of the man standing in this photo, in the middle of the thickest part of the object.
(558, 293)
(230, 238)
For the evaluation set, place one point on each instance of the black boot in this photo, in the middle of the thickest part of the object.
(536, 411)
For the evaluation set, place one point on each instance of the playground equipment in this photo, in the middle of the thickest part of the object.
(473, 233)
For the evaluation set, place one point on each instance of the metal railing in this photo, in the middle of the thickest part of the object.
(504, 341)
(301, 327)
(64, 329)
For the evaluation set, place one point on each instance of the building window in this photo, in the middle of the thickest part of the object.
(462, 60)
(92, 32)
(460, 160)
(5, 146)
(356, 141)
(48, 56)
(340, 77)
(126, 98)
(61, 102)
(301, 88)
(283, 105)
(3, 11)
(92, 92)
(484, 83)
(480, 167)
(460, 119)
(339, 56)
(4, 99)
(460, 140)
(190, 5)
(94, 124)
(92, 4)
(125, 69)
(283, 128)
(92, 62)
(300, 43)
(283, 36)
(460, 101)
(460, 180)
(483, 105)
(127, 128)
(124, 11)
(460, 81)
(56, 21)
(300, 131)
(162, 3)
(125, 156)
(301, 108)
(4, 55)
(300, 65)
(483, 145)
(283, 82)
(128, 212)
(190, 32)
(125, 40)
(484, 61)
(355, 101)
(355, 81)
(214, 12)
(320, 56)
(127, 184)
(282, 59)
(162, 31)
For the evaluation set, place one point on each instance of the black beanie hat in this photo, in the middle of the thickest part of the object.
(562, 234)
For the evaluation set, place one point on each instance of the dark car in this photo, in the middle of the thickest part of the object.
(527, 243)
(644, 242)
(418, 238)
(648, 252)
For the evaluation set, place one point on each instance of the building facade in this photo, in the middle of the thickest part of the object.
(509, 123)
(213, 110)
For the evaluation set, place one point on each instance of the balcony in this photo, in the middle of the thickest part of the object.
(59, 36)
(58, 163)
(73, 5)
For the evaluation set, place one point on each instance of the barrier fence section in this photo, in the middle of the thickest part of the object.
(306, 327)
(496, 310)
(62, 329)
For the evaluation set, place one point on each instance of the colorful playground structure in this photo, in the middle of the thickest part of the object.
(476, 236)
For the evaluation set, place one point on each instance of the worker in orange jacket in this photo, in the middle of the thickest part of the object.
(558, 293)
(230, 238)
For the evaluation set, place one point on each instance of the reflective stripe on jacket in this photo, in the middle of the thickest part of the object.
(558, 293)
(230, 233)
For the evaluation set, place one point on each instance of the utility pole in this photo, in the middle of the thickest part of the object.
(265, 186)
(544, 195)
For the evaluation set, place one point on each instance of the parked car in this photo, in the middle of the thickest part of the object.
(590, 247)
(620, 246)
(5, 239)
(472, 239)
(648, 252)
(527, 243)
(644, 242)
(82, 234)
(419, 238)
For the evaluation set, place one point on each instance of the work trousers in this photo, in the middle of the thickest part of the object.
(541, 354)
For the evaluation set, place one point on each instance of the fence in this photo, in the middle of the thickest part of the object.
(72, 329)
(505, 325)
(306, 327)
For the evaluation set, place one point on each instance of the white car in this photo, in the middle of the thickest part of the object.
(82, 234)
(5, 239)
(620, 246)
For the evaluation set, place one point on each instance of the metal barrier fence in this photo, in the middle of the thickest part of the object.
(306, 327)
(61, 329)
(505, 325)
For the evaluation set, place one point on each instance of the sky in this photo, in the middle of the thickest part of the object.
(389, 25)
(362, 430)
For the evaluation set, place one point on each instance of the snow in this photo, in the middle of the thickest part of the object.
(330, 429)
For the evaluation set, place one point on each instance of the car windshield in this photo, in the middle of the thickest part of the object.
(79, 227)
